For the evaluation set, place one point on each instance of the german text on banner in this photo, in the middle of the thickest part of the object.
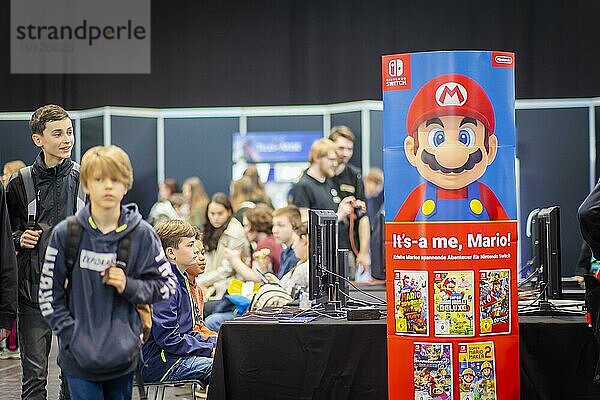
(451, 229)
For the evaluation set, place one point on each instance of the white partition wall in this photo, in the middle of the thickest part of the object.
(556, 146)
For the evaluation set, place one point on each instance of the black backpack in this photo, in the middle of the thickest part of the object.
(29, 185)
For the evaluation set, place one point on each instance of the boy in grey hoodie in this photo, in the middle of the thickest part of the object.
(96, 320)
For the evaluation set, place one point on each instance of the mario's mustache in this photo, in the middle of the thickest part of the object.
(474, 159)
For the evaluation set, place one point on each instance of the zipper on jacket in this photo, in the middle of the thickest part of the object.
(37, 210)
(54, 190)
(187, 285)
(170, 369)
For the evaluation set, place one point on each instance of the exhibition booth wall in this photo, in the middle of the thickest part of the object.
(556, 148)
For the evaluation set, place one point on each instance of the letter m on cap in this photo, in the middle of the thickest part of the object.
(451, 94)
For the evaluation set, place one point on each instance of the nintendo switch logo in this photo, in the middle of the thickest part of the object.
(451, 94)
(395, 72)
(503, 59)
(395, 67)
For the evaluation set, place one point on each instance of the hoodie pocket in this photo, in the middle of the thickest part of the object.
(104, 349)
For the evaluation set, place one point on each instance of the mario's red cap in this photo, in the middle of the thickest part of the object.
(448, 280)
(450, 94)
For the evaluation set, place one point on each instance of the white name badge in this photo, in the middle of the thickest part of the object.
(96, 261)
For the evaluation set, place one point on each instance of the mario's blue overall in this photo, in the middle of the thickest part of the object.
(466, 209)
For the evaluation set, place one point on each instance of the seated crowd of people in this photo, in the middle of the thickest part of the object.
(198, 260)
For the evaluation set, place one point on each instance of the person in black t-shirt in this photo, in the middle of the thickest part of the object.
(347, 176)
(316, 190)
(348, 183)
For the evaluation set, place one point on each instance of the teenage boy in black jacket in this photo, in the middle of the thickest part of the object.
(56, 186)
(8, 272)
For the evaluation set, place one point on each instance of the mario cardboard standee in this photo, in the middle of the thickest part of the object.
(449, 163)
(451, 142)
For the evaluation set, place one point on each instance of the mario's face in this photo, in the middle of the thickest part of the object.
(451, 151)
(468, 378)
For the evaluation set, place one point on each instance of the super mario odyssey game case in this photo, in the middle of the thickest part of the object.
(451, 211)
(494, 301)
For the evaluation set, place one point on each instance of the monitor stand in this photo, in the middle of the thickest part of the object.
(548, 310)
(545, 308)
(333, 302)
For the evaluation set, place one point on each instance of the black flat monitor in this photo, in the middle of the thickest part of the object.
(323, 254)
(549, 252)
(533, 232)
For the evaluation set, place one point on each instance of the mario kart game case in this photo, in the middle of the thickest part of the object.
(432, 368)
(453, 303)
(411, 303)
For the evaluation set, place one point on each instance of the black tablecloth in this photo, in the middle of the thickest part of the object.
(323, 359)
(328, 359)
(558, 359)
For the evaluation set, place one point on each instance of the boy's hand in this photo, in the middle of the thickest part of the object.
(271, 278)
(345, 208)
(115, 277)
(361, 204)
(364, 259)
(261, 260)
(29, 238)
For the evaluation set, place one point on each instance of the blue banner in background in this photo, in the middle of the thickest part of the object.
(282, 146)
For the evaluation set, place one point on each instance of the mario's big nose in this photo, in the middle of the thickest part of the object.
(452, 155)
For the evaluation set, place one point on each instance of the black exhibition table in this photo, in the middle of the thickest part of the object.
(558, 359)
(323, 359)
(328, 359)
